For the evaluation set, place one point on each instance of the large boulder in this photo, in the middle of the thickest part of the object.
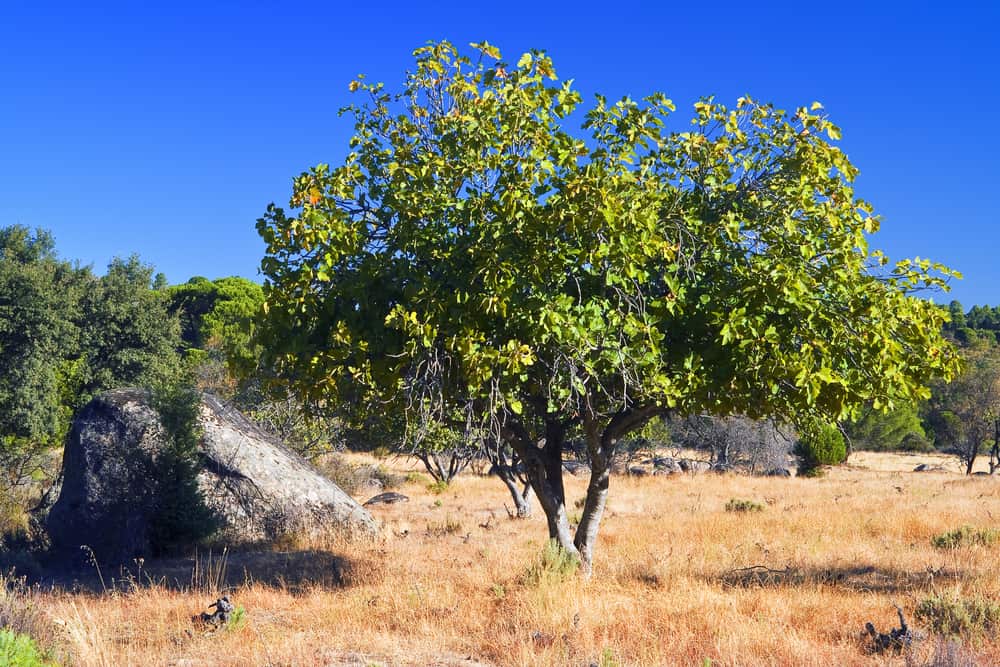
(251, 486)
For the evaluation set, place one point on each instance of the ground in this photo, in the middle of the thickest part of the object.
(678, 580)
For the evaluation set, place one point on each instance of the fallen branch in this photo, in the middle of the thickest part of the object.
(894, 641)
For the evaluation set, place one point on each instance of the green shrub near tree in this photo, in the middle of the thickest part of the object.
(820, 444)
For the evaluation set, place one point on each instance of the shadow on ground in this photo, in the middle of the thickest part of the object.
(867, 578)
(294, 571)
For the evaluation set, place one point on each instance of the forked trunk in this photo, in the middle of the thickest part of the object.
(544, 465)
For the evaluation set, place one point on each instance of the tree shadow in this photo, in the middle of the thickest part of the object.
(859, 578)
(212, 571)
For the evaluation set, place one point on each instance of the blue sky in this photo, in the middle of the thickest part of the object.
(166, 130)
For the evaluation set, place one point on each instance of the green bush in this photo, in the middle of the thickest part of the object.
(237, 619)
(965, 536)
(954, 616)
(438, 487)
(740, 505)
(554, 565)
(820, 444)
(18, 650)
(417, 478)
(181, 517)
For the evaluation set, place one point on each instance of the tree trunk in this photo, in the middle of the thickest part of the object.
(545, 470)
(593, 509)
(995, 449)
(600, 446)
(522, 499)
(545, 474)
(970, 462)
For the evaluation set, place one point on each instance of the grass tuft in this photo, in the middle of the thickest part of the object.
(743, 505)
(552, 566)
(966, 536)
(952, 616)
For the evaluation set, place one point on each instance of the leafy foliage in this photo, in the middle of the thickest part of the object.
(216, 315)
(64, 336)
(472, 255)
(897, 429)
(19, 650)
(181, 516)
(965, 536)
(965, 617)
(820, 444)
(129, 337)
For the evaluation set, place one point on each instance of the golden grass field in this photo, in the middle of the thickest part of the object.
(446, 584)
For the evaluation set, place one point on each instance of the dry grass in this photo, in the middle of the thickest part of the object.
(678, 580)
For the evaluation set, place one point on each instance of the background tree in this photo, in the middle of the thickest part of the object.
(215, 319)
(896, 429)
(40, 349)
(759, 445)
(471, 254)
(66, 335)
(965, 413)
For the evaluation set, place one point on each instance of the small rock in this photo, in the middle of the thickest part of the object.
(666, 464)
(576, 468)
(387, 498)
(694, 467)
(636, 471)
(777, 472)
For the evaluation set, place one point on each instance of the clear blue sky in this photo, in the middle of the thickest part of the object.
(166, 130)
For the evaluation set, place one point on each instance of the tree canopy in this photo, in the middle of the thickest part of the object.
(65, 335)
(473, 258)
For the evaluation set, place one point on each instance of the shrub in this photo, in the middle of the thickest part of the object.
(17, 650)
(965, 536)
(417, 478)
(438, 487)
(181, 517)
(237, 619)
(553, 565)
(608, 659)
(450, 526)
(741, 505)
(14, 518)
(954, 616)
(820, 444)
